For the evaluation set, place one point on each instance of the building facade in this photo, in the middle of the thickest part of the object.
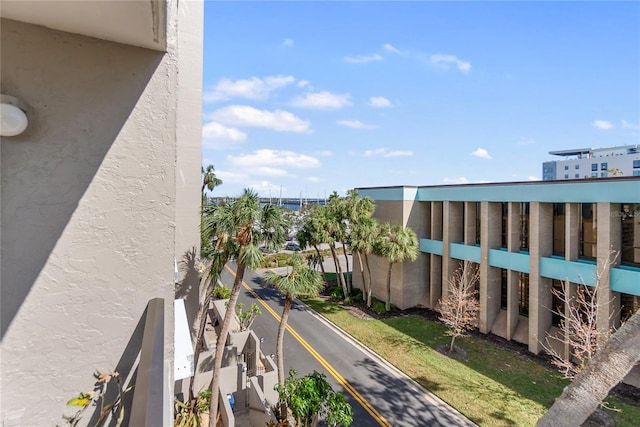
(581, 163)
(525, 239)
(100, 196)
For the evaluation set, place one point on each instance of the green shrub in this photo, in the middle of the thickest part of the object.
(204, 400)
(356, 293)
(348, 300)
(221, 292)
(379, 307)
(336, 292)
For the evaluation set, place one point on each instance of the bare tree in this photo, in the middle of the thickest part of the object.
(578, 322)
(581, 338)
(609, 366)
(459, 308)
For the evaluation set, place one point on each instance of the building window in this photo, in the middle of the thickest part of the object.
(505, 215)
(577, 175)
(636, 164)
(630, 229)
(566, 167)
(558, 228)
(636, 173)
(588, 234)
(566, 176)
(603, 166)
(594, 166)
(629, 304)
(503, 288)
(594, 175)
(603, 174)
(523, 294)
(557, 310)
(524, 226)
(577, 166)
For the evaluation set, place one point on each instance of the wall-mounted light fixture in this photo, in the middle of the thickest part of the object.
(13, 117)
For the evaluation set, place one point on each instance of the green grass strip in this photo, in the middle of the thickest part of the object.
(492, 387)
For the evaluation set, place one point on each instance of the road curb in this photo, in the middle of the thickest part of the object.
(420, 390)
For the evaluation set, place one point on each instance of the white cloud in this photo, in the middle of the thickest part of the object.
(482, 153)
(217, 131)
(231, 177)
(315, 179)
(244, 115)
(533, 178)
(525, 141)
(390, 48)
(363, 59)
(379, 102)
(304, 83)
(447, 61)
(456, 180)
(323, 100)
(254, 88)
(355, 124)
(213, 133)
(602, 124)
(268, 160)
(382, 152)
(626, 125)
(287, 43)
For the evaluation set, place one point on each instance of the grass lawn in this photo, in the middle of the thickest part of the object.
(492, 387)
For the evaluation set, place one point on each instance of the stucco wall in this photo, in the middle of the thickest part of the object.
(88, 212)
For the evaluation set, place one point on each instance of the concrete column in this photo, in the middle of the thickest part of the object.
(609, 241)
(452, 232)
(470, 223)
(541, 245)
(490, 227)
(572, 231)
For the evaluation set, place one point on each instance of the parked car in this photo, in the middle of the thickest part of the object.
(292, 246)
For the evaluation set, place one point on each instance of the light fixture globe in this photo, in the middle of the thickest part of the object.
(13, 121)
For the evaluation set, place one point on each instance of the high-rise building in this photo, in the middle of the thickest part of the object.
(581, 163)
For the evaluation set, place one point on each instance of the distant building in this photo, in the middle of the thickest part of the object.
(584, 163)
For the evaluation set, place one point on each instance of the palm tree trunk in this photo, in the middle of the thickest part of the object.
(199, 341)
(339, 270)
(324, 274)
(388, 303)
(220, 343)
(346, 259)
(280, 339)
(366, 260)
(364, 285)
(607, 368)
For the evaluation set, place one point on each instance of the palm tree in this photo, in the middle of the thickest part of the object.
(301, 280)
(310, 235)
(246, 225)
(358, 213)
(397, 244)
(332, 229)
(209, 179)
(364, 232)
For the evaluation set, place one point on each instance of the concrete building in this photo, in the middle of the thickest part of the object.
(100, 200)
(581, 163)
(525, 238)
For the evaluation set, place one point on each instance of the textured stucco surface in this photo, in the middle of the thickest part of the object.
(88, 211)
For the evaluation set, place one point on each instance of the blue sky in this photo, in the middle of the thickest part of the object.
(304, 98)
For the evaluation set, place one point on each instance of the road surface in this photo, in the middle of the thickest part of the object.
(379, 394)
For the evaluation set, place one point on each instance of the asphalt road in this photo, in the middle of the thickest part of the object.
(378, 393)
